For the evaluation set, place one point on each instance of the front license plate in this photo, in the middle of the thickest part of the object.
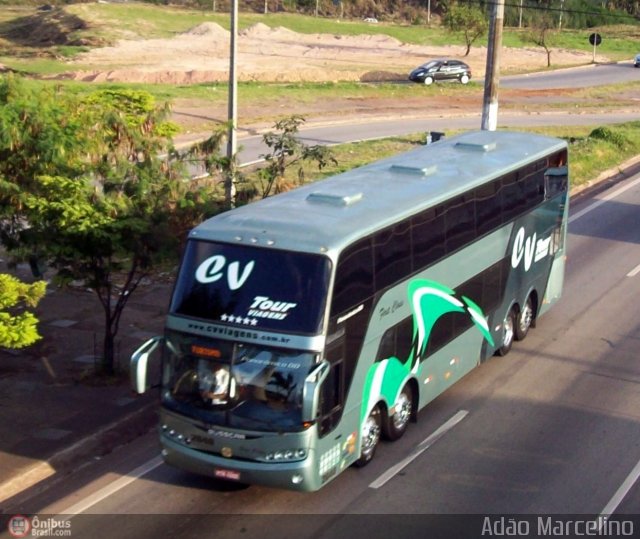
(230, 475)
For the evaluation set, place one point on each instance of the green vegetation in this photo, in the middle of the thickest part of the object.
(18, 326)
(592, 151)
(84, 190)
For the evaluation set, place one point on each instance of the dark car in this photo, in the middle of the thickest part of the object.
(636, 61)
(437, 70)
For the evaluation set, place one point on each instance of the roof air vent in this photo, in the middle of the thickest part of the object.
(416, 170)
(334, 199)
(477, 146)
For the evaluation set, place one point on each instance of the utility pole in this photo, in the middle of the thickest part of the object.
(492, 72)
(230, 180)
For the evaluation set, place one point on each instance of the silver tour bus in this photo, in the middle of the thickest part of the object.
(306, 327)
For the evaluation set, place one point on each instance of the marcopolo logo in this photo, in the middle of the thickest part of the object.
(529, 249)
(213, 269)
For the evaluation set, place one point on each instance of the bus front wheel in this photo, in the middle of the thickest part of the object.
(508, 330)
(370, 437)
(396, 424)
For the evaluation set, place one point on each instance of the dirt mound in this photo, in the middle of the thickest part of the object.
(207, 29)
(46, 29)
(281, 55)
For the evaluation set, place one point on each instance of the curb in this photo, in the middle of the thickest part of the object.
(101, 442)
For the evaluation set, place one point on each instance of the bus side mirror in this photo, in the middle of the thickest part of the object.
(139, 365)
(311, 391)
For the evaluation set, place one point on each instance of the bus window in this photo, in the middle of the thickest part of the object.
(427, 238)
(460, 220)
(488, 211)
(555, 181)
(354, 277)
(392, 255)
(332, 394)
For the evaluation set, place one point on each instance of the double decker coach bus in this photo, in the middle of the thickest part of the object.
(305, 327)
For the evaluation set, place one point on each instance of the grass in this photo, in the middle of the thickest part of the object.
(589, 155)
(108, 22)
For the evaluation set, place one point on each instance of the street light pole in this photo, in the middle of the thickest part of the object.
(492, 72)
(230, 181)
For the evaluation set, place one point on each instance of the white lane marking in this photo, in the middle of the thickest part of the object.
(610, 196)
(634, 271)
(422, 447)
(620, 494)
(110, 489)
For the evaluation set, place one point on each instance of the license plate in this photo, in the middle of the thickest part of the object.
(230, 475)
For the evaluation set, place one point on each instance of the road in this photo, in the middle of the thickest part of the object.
(553, 428)
(597, 75)
(251, 148)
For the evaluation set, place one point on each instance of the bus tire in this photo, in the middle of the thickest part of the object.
(508, 330)
(524, 320)
(395, 425)
(370, 437)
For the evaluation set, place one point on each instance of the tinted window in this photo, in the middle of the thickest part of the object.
(354, 277)
(392, 255)
(512, 197)
(488, 211)
(427, 237)
(460, 222)
(255, 287)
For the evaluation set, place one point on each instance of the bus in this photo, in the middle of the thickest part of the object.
(306, 327)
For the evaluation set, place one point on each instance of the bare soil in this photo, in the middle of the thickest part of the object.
(281, 55)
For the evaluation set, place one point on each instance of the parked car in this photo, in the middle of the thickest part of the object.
(438, 70)
(636, 62)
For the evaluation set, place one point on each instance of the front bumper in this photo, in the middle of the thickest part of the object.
(298, 475)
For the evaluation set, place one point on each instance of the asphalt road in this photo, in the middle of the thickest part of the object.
(553, 428)
(251, 148)
(597, 75)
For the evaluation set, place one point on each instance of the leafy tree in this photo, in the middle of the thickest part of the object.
(100, 203)
(287, 152)
(18, 326)
(468, 20)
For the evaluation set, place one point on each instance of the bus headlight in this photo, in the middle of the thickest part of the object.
(287, 455)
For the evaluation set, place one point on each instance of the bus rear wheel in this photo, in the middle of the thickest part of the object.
(524, 320)
(396, 424)
(508, 330)
(370, 437)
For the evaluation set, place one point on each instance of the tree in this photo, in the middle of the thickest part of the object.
(95, 198)
(286, 152)
(18, 326)
(469, 20)
(543, 33)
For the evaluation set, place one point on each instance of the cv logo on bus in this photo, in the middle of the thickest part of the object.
(529, 249)
(212, 270)
(429, 301)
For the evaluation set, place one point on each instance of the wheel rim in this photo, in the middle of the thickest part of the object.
(370, 435)
(526, 316)
(508, 332)
(402, 412)
(464, 79)
(428, 81)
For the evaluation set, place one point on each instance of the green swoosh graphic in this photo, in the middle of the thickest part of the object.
(429, 301)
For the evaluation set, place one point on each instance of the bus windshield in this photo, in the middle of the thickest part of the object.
(235, 385)
(259, 288)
